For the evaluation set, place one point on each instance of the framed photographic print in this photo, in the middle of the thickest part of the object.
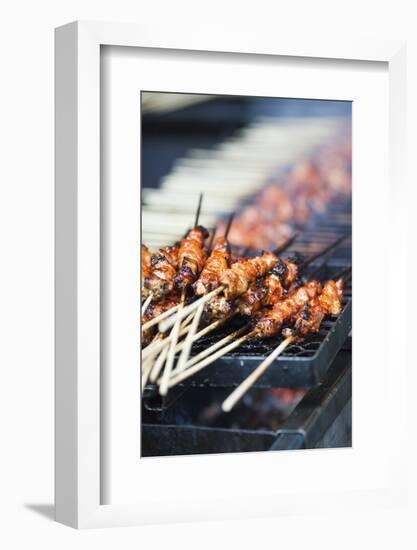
(220, 203)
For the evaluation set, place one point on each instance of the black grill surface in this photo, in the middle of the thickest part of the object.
(300, 365)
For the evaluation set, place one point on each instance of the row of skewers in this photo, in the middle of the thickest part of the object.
(193, 287)
(294, 197)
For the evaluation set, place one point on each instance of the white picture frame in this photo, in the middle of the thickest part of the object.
(78, 403)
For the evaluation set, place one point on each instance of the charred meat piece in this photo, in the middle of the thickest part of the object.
(163, 271)
(279, 280)
(146, 270)
(252, 300)
(217, 308)
(217, 263)
(156, 308)
(294, 198)
(331, 297)
(270, 290)
(328, 302)
(153, 310)
(270, 322)
(242, 275)
(147, 336)
(191, 257)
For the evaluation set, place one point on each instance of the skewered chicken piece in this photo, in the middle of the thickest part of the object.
(271, 321)
(153, 310)
(294, 198)
(147, 336)
(320, 303)
(309, 319)
(218, 261)
(325, 300)
(146, 270)
(163, 266)
(217, 308)
(271, 289)
(221, 306)
(246, 304)
(191, 257)
(241, 276)
(156, 308)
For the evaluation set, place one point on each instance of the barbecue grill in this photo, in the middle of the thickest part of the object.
(322, 363)
(300, 365)
(322, 418)
(317, 372)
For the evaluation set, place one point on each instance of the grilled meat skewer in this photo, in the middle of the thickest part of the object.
(155, 309)
(326, 302)
(241, 275)
(146, 270)
(218, 262)
(191, 257)
(271, 289)
(268, 323)
(265, 324)
(309, 319)
(163, 269)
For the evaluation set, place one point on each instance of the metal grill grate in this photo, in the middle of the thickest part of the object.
(301, 365)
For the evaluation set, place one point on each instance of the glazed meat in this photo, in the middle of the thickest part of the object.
(328, 302)
(146, 270)
(217, 263)
(242, 275)
(331, 297)
(252, 300)
(270, 322)
(308, 188)
(156, 308)
(279, 280)
(191, 257)
(163, 269)
(217, 308)
(153, 310)
(270, 290)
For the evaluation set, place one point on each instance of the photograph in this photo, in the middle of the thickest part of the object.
(246, 268)
(243, 175)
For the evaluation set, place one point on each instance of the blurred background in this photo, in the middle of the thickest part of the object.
(282, 165)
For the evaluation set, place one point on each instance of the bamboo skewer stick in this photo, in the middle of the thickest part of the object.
(229, 225)
(168, 323)
(345, 273)
(214, 347)
(160, 317)
(146, 303)
(187, 321)
(240, 391)
(209, 328)
(186, 348)
(286, 244)
(156, 369)
(146, 370)
(159, 342)
(154, 346)
(163, 388)
(323, 252)
(202, 364)
(197, 214)
(163, 326)
(155, 343)
(212, 326)
(210, 245)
